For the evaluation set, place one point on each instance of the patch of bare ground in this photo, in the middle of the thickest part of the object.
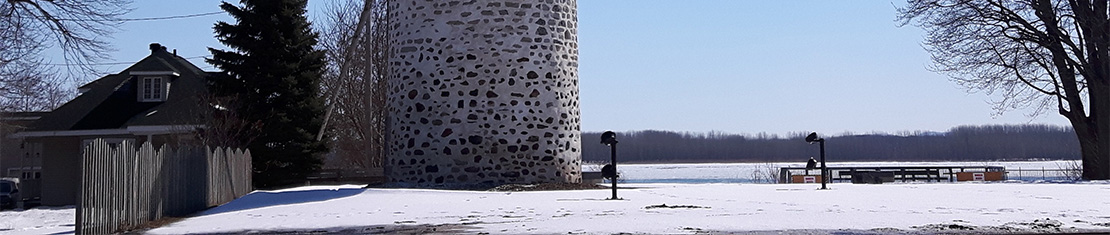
(545, 187)
(494, 187)
(142, 228)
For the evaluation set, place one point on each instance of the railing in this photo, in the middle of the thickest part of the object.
(901, 173)
(1043, 173)
(122, 188)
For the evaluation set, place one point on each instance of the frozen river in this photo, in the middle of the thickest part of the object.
(698, 173)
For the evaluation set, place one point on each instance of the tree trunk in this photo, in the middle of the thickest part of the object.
(1094, 134)
(1094, 156)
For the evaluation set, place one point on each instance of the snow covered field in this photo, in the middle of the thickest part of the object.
(40, 220)
(663, 208)
(647, 208)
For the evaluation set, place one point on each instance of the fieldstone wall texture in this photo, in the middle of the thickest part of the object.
(484, 91)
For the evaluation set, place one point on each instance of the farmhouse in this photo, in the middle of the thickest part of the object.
(157, 100)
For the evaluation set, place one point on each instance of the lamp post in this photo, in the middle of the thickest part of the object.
(812, 137)
(610, 171)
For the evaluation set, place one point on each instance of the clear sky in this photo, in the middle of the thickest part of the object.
(741, 67)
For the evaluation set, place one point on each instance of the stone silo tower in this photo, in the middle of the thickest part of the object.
(483, 91)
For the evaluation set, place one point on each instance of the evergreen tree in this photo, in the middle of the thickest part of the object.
(273, 74)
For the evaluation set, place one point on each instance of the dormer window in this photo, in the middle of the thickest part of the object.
(153, 86)
(152, 89)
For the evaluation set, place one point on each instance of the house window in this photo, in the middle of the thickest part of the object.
(113, 143)
(153, 89)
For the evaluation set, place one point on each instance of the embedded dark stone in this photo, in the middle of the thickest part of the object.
(530, 75)
(431, 169)
(472, 169)
(475, 139)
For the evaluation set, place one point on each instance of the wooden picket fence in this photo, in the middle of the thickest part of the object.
(122, 188)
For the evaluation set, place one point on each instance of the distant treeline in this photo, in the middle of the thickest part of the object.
(964, 143)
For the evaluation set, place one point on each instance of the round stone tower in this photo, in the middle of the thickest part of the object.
(483, 91)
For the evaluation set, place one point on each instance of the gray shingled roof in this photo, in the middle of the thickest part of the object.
(110, 101)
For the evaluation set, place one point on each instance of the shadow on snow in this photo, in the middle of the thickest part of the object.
(257, 200)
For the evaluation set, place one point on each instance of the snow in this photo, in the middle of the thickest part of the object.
(716, 207)
(689, 207)
(39, 220)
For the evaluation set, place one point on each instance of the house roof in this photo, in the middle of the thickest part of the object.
(111, 101)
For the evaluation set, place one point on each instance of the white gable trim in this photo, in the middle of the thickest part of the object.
(130, 130)
(153, 73)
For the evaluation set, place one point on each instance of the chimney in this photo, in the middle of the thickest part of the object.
(155, 47)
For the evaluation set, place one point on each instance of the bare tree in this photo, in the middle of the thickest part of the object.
(80, 28)
(27, 83)
(223, 127)
(1033, 53)
(355, 38)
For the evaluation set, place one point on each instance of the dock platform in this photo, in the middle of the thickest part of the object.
(888, 173)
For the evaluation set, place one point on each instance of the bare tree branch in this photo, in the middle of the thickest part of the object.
(1028, 53)
(355, 40)
(80, 28)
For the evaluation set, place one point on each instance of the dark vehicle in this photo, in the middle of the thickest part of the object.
(9, 194)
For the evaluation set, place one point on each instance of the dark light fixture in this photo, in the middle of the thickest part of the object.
(810, 165)
(812, 137)
(609, 138)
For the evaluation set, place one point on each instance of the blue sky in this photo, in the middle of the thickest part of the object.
(741, 67)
